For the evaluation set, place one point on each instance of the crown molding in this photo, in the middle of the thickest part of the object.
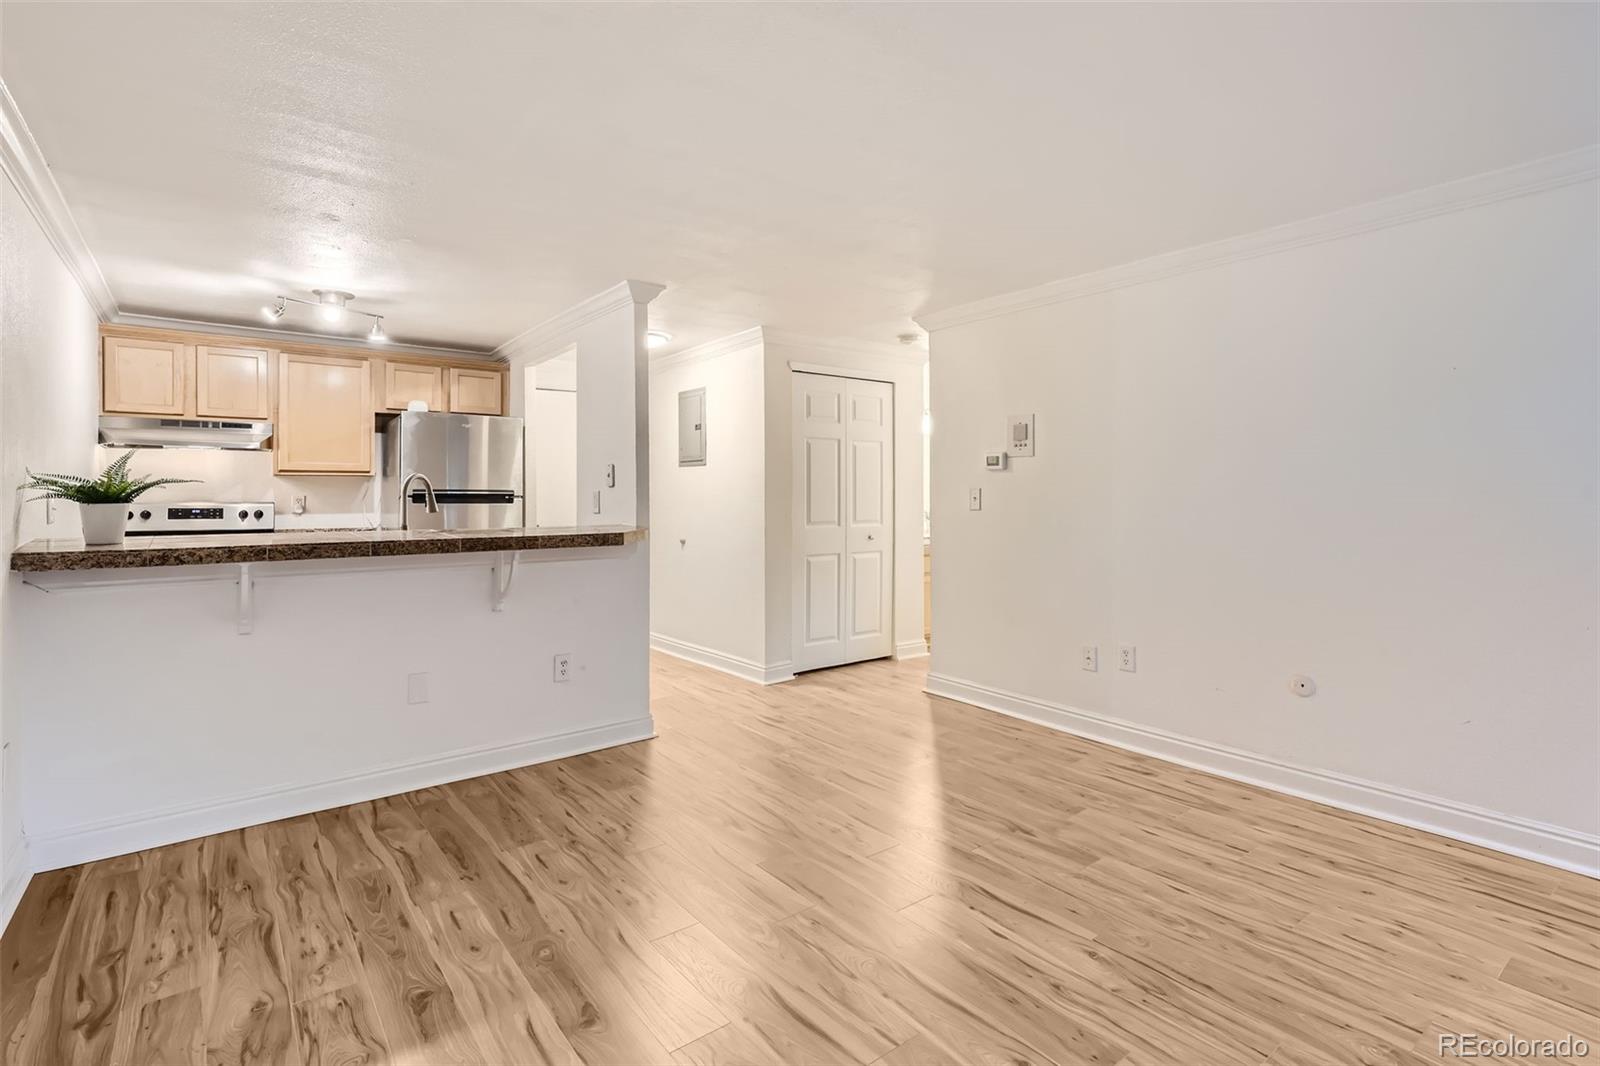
(556, 331)
(1539, 175)
(898, 353)
(733, 342)
(295, 336)
(24, 164)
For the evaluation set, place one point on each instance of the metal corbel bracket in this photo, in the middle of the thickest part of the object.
(505, 571)
(247, 600)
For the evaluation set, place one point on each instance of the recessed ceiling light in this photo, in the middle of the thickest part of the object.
(655, 338)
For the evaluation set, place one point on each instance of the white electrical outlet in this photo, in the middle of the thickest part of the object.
(596, 501)
(416, 688)
(298, 505)
(1089, 658)
(49, 512)
(975, 500)
(563, 670)
(1127, 658)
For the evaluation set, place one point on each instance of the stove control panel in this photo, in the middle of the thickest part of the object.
(154, 519)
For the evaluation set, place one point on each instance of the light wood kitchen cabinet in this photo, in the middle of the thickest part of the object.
(321, 400)
(404, 382)
(144, 377)
(232, 382)
(477, 392)
(324, 421)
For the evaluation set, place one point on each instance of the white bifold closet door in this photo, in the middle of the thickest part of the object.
(843, 439)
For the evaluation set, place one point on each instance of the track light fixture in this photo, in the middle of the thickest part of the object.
(332, 305)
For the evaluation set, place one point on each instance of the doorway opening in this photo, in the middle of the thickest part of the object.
(551, 403)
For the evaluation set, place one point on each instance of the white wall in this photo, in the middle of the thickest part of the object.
(707, 542)
(903, 368)
(310, 710)
(1371, 460)
(48, 375)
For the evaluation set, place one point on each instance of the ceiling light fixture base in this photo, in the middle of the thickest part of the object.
(333, 305)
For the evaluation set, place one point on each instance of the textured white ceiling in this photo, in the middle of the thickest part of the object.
(472, 169)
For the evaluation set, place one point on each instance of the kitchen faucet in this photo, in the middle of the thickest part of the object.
(405, 498)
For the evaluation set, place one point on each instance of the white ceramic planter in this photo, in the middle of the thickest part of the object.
(104, 523)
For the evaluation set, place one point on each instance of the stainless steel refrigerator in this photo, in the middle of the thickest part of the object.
(474, 463)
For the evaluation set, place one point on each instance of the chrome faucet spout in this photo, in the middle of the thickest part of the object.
(429, 498)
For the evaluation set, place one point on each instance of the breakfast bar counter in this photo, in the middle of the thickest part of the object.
(43, 556)
(308, 669)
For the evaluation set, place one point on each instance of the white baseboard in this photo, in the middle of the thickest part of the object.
(1539, 841)
(99, 840)
(746, 669)
(911, 649)
(17, 875)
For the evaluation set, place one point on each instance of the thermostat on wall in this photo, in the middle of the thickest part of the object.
(994, 461)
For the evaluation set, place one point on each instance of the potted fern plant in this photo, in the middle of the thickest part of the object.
(102, 501)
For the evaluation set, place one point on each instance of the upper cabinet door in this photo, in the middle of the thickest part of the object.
(404, 382)
(144, 377)
(232, 382)
(477, 392)
(324, 415)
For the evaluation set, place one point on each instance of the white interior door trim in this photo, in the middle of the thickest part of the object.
(841, 372)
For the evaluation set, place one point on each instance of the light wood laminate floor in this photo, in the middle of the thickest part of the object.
(837, 870)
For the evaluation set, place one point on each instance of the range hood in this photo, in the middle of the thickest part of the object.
(123, 431)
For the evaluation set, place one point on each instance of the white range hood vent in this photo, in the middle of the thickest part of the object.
(122, 431)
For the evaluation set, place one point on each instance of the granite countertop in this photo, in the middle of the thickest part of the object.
(46, 555)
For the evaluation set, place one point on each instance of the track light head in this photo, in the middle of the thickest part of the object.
(273, 313)
(376, 334)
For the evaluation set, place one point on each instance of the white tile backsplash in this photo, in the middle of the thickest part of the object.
(229, 475)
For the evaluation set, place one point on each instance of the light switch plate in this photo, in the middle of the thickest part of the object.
(975, 500)
(1019, 436)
